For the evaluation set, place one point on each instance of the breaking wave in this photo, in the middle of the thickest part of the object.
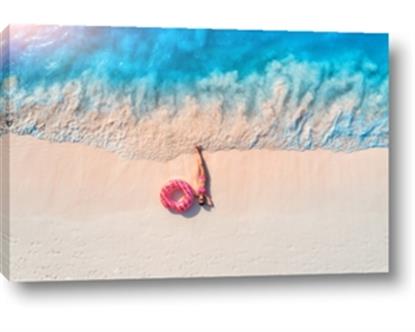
(155, 93)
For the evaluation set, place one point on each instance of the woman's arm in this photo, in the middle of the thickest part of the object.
(209, 201)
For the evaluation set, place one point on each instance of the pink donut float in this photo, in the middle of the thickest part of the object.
(177, 187)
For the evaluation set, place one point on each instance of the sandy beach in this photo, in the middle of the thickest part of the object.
(77, 212)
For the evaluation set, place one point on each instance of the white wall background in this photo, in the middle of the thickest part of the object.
(319, 303)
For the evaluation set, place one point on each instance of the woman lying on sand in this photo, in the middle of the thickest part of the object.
(201, 192)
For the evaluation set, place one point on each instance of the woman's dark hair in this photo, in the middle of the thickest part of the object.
(201, 200)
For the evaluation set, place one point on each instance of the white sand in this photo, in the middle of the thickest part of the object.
(82, 213)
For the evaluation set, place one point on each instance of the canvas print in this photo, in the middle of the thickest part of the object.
(131, 153)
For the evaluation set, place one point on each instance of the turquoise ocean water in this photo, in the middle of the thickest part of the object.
(155, 93)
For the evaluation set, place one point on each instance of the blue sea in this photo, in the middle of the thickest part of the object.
(155, 92)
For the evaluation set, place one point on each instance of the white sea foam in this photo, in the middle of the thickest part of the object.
(293, 105)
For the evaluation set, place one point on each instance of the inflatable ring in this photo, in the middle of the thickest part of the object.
(172, 188)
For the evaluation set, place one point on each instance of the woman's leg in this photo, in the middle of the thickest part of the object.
(200, 168)
(199, 160)
(199, 155)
